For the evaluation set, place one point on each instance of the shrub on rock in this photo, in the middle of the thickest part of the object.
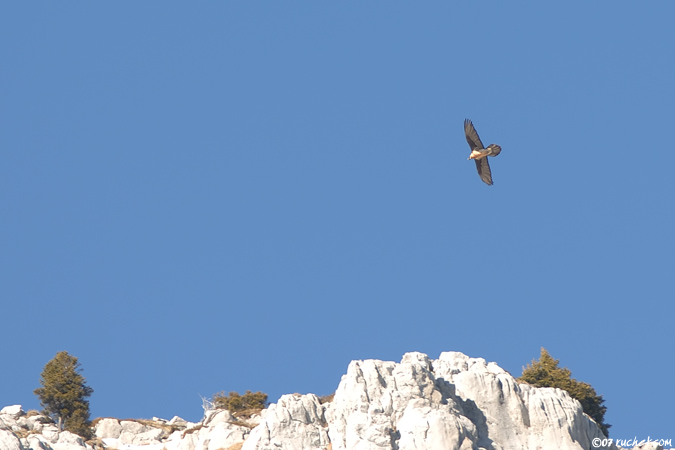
(247, 404)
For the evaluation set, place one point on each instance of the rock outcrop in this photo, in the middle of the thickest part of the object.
(21, 431)
(296, 422)
(454, 402)
(451, 403)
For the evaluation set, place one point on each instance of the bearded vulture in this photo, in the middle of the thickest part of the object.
(479, 153)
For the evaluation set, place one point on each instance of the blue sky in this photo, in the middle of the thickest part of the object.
(211, 196)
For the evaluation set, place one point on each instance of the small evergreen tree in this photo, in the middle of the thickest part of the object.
(63, 394)
(546, 373)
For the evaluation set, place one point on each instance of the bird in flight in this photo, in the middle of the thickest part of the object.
(479, 153)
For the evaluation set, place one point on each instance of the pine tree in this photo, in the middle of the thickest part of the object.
(63, 394)
(546, 373)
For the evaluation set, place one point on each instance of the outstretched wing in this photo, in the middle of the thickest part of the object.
(484, 172)
(471, 135)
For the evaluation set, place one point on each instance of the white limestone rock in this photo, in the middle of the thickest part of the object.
(9, 441)
(37, 442)
(136, 433)
(11, 418)
(215, 416)
(385, 406)
(296, 422)
(178, 422)
(69, 441)
(8, 423)
(37, 423)
(183, 441)
(51, 433)
(133, 427)
(64, 440)
(221, 435)
(218, 430)
(108, 428)
(455, 402)
(13, 411)
(513, 415)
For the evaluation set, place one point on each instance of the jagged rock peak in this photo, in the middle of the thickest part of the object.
(454, 402)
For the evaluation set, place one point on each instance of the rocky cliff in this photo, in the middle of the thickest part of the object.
(454, 402)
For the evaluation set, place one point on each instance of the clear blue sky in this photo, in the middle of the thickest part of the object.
(207, 196)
